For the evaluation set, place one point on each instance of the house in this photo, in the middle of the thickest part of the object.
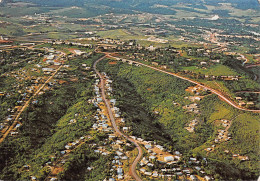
(238, 98)
(120, 177)
(245, 158)
(197, 168)
(72, 121)
(26, 167)
(150, 165)
(124, 158)
(193, 177)
(68, 147)
(112, 137)
(179, 173)
(148, 173)
(168, 158)
(216, 61)
(186, 171)
(125, 129)
(18, 125)
(197, 98)
(193, 159)
(1, 126)
(119, 142)
(242, 104)
(50, 57)
(119, 171)
(97, 151)
(155, 174)
(250, 103)
(177, 153)
(48, 69)
(155, 63)
(78, 52)
(113, 101)
(119, 153)
(177, 157)
(151, 48)
(152, 157)
(104, 125)
(207, 178)
(160, 147)
(164, 67)
(148, 147)
(142, 170)
(99, 100)
(140, 139)
(14, 133)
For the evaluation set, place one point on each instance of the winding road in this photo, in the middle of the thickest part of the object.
(230, 102)
(111, 116)
(253, 65)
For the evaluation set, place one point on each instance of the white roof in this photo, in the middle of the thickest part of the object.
(168, 158)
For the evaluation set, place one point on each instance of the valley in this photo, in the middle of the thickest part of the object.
(129, 90)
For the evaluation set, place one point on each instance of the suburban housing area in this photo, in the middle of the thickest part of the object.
(129, 90)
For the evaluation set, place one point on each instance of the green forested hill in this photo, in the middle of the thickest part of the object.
(141, 92)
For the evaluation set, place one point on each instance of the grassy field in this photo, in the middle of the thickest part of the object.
(41, 28)
(21, 11)
(141, 39)
(119, 33)
(216, 70)
(12, 30)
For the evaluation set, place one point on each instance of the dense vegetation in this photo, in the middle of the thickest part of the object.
(17, 58)
(83, 158)
(142, 92)
(46, 129)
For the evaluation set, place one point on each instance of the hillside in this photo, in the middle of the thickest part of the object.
(120, 90)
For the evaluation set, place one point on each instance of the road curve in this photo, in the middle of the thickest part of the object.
(194, 82)
(140, 152)
(253, 65)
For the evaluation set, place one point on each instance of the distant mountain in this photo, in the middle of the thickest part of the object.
(166, 7)
(137, 4)
(57, 3)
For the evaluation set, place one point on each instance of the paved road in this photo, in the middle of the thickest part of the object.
(254, 92)
(26, 105)
(140, 152)
(253, 65)
(230, 102)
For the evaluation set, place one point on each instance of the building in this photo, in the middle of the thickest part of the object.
(119, 171)
(168, 158)
(78, 52)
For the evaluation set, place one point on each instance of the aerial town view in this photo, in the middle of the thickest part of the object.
(131, 90)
